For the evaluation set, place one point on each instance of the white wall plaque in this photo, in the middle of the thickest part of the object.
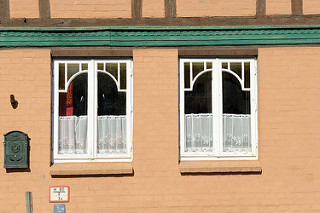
(59, 194)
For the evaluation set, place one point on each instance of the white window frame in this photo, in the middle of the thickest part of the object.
(217, 111)
(92, 155)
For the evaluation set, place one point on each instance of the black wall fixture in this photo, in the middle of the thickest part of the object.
(13, 101)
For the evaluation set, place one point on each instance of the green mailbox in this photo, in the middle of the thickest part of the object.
(16, 150)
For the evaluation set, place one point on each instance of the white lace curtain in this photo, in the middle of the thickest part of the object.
(111, 134)
(236, 133)
(199, 130)
(73, 134)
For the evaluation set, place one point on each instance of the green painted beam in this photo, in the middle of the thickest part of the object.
(159, 36)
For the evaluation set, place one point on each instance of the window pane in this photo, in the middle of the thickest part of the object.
(197, 68)
(247, 75)
(198, 115)
(198, 132)
(187, 75)
(209, 65)
(71, 70)
(111, 116)
(100, 66)
(62, 76)
(236, 68)
(224, 65)
(199, 99)
(84, 66)
(73, 117)
(235, 101)
(236, 116)
(123, 76)
(112, 68)
(236, 133)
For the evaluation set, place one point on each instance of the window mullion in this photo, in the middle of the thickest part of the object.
(91, 103)
(182, 116)
(216, 107)
(253, 93)
(56, 107)
(95, 109)
(128, 105)
(220, 105)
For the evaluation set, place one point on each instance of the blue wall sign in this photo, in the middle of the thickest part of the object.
(59, 208)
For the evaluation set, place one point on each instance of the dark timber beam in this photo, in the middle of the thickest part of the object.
(296, 6)
(4, 11)
(170, 8)
(44, 9)
(261, 8)
(65, 52)
(205, 21)
(136, 9)
(218, 51)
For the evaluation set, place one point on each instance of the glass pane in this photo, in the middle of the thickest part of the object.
(111, 116)
(236, 68)
(100, 66)
(71, 70)
(236, 116)
(187, 75)
(62, 76)
(247, 75)
(84, 66)
(199, 99)
(123, 76)
(224, 65)
(197, 68)
(236, 133)
(235, 100)
(198, 115)
(198, 129)
(73, 117)
(209, 65)
(112, 68)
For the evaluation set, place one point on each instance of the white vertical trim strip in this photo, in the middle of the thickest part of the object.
(90, 113)
(181, 104)
(94, 93)
(56, 108)
(119, 76)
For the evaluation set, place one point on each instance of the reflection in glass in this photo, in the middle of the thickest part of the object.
(73, 117)
(111, 116)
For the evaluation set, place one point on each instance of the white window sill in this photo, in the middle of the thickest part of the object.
(223, 166)
(87, 169)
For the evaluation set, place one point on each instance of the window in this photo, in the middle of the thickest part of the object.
(92, 110)
(218, 109)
